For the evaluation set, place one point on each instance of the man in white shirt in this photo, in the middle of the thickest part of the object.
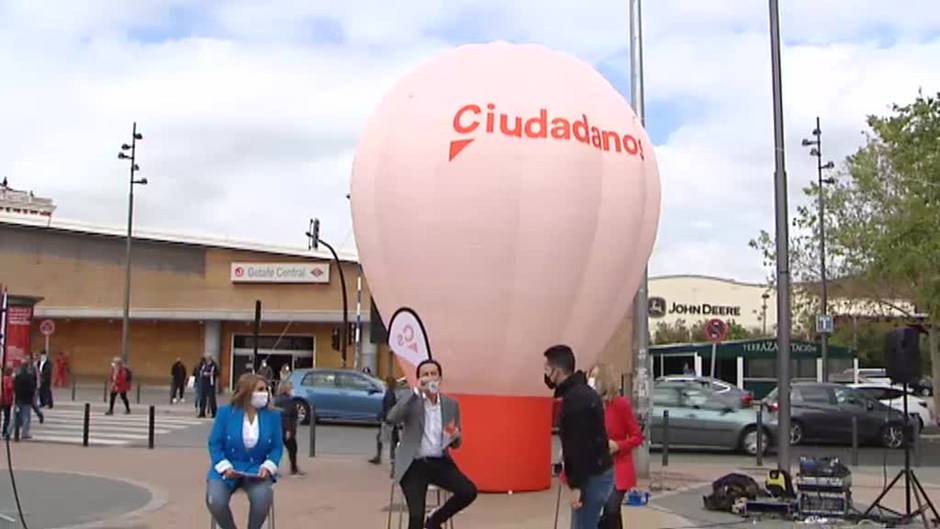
(430, 428)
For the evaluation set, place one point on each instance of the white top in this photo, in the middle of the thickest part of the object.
(432, 442)
(250, 432)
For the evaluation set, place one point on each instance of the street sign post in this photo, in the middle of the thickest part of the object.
(715, 330)
(824, 324)
(47, 328)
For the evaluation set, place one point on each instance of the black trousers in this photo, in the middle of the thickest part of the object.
(610, 518)
(178, 388)
(443, 473)
(6, 420)
(45, 395)
(207, 398)
(291, 446)
(127, 405)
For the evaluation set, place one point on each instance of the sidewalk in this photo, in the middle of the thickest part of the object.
(336, 493)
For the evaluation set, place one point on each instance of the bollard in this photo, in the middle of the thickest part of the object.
(85, 424)
(138, 393)
(73, 389)
(665, 438)
(854, 441)
(916, 427)
(313, 431)
(760, 436)
(150, 427)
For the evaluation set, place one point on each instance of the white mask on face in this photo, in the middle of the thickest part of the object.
(592, 382)
(259, 399)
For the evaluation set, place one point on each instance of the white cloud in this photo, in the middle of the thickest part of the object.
(251, 111)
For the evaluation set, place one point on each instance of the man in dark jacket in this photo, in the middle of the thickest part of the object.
(44, 367)
(208, 379)
(178, 381)
(584, 444)
(24, 393)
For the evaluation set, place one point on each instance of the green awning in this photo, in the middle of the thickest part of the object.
(764, 348)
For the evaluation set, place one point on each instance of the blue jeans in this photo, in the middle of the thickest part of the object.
(260, 498)
(22, 417)
(594, 494)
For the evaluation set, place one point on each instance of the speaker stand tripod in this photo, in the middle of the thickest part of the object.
(920, 495)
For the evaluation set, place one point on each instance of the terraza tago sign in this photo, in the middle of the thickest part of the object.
(280, 273)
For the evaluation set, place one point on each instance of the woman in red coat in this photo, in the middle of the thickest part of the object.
(624, 435)
(120, 385)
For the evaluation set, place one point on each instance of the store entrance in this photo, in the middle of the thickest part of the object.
(296, 351)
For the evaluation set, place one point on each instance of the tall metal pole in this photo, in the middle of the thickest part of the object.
(125, 323)
(783, 248)
(642, 366)
(824, 335)
(344, 333)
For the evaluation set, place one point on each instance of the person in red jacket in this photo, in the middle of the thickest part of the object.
(120, 385)
(624, 434)
(7, 401)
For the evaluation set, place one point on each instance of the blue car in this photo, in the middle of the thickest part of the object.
(341, 395)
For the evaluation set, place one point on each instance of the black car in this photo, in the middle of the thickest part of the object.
(824, 412)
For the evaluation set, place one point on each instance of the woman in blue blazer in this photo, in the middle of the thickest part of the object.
(245, 447)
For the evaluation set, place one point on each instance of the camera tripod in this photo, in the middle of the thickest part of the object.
(920, 495)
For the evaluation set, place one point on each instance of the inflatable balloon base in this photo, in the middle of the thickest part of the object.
(507, 442)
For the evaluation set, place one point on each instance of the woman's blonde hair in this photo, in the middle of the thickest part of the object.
(244, 388)
(604, 382)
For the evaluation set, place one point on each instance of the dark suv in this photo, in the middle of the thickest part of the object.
(823, 412)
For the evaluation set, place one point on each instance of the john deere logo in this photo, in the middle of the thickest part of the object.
(657, 307)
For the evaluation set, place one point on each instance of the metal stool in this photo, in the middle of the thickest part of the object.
(272, 524)
(438, 496)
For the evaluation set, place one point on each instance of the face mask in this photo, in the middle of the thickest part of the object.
(434, 387)
(259, 399)
(592, 383)
(549, 382)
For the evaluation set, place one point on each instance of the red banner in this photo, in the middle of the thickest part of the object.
(19, 319)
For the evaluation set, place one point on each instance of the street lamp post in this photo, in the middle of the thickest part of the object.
(822, 329)
(313, 237)
(782, 246)
(122, 155)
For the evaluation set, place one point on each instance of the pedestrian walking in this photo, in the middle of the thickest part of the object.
(208, 380)
(58, 371)
(197, 390)
(245, 448)
(6, 402)
(178, 381)
(44, 369)
(386, 431)
(120, 382)
(584, 442)
(24, 398)
(284, 375)
(285, 401)
(624, 435)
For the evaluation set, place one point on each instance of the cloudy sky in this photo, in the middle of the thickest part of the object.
(251, 110)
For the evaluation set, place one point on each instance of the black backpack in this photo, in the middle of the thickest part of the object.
(727, 489)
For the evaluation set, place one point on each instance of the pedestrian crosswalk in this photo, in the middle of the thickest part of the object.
(65, 425)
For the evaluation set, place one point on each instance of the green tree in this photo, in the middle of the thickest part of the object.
(882, 223)
(682, 332)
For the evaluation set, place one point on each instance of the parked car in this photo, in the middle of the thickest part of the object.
(917, 407)
(823, 412)
(875, 375)
(723, 389)
(700, 417)
(337, 395)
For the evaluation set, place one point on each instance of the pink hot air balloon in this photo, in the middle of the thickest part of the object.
(509, 194)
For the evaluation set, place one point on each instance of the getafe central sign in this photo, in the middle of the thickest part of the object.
(280, 273)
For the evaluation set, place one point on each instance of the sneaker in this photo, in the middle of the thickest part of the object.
(172, 401)
(27, 437)
(42, 418)
(127, 412)
(376, 460)
(182, 400)
(109, 412)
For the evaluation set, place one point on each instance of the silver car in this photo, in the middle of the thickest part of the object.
(699, 418)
